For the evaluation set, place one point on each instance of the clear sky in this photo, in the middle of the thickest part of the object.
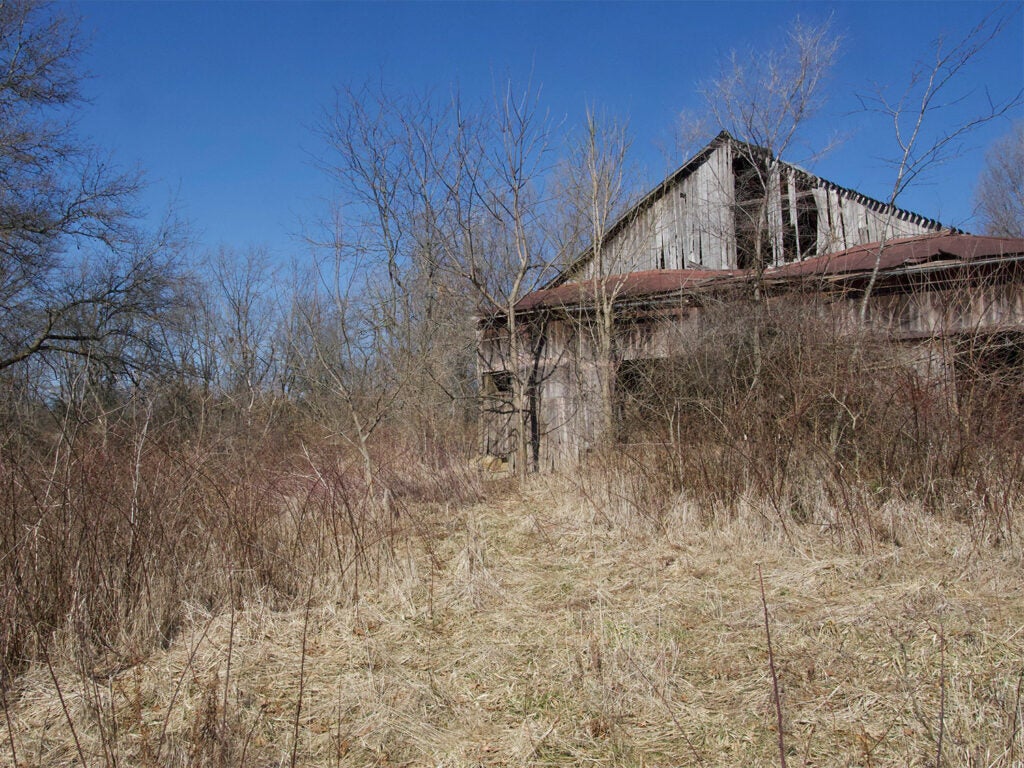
(215, 100)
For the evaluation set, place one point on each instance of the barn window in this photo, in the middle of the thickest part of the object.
(645, 404)
(749, 212)
(497, 383)
(990, 369)
(799, 223)
(807, 224)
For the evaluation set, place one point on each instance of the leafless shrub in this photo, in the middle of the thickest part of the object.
(778, 402)
(109, 529)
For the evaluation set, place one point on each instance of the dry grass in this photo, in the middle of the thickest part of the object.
(544, 630)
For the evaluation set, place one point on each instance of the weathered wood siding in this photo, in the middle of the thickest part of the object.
(962, 309)
(689, 224)
(566, 398)
(691, 221)
(844, 222)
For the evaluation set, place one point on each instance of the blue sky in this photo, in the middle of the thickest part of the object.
(215, 100)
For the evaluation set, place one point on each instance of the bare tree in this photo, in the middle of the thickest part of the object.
(345, 330)
(922, 140)
(503, 245)
(1000, 192)
(446, 212)
(77, 276)
(766, 99)
(597, 193)
(245, 320)
(391, 155)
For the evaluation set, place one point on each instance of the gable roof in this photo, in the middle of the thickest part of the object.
(691, 165)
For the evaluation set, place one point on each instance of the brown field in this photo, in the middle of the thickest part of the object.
(556, 624)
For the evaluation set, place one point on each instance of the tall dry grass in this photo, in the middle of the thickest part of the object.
(536, 632)
(111, 528)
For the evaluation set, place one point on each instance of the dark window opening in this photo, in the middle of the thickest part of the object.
(497, 383)
(799, 223)
(990, 372)
(789, 231)
(992, 355)
(807, 225)
(749, 214)
(646, 406)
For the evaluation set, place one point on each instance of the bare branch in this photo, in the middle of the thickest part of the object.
(923, 139)
(1000, 192)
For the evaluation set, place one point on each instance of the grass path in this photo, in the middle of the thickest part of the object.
(543, 632)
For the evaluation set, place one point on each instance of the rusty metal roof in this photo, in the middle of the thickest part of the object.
(904, 252)
(632, 285)
(951, 249)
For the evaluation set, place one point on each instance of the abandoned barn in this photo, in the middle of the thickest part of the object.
(730, 226)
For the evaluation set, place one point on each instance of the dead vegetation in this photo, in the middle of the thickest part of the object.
(239, 524)
(241, 596)
(537, 630)
(229, 592)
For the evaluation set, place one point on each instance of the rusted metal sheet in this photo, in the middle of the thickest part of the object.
(902, 253)
(627, 286)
